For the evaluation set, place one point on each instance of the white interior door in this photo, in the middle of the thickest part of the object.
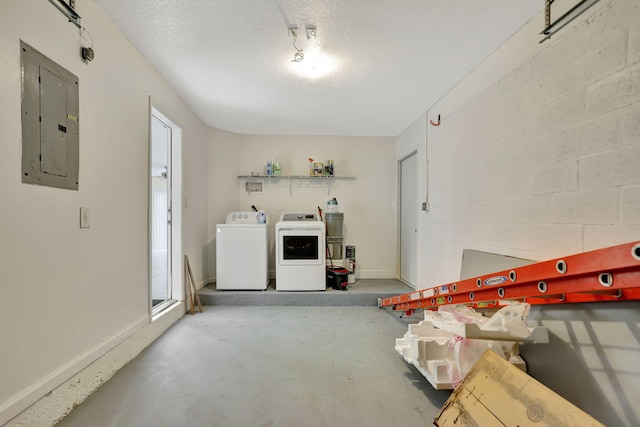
(409, 220)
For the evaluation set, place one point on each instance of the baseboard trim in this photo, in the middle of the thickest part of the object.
(55, 395)
(375, 274)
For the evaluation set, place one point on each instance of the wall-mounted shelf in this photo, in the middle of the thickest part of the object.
(291, 178)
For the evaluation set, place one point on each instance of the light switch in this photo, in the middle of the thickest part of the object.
(85, 217)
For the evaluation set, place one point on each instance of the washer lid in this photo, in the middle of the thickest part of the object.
(299, 216)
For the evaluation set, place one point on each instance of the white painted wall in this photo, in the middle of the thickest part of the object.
(68, 294)
(537, 157)
(412, 139)
(368, 202)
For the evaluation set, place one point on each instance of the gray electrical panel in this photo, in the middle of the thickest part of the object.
(50, 131)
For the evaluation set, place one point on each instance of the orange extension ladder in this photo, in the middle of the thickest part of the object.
(609, 274)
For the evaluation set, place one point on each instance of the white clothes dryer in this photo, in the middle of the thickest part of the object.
(300, 253)
(242, 252)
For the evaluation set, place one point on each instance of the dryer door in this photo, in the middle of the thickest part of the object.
(300, 246)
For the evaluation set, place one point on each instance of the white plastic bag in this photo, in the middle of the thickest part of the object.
(460, 313)
(463, 353)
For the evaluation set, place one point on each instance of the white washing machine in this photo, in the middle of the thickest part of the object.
(242, 252)
(300, 253)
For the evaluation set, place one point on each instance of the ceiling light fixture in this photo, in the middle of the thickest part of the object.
(309, 60)
(299, 55)
(310, 31)
(316, 64)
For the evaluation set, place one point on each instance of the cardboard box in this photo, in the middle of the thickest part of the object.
(495, 393)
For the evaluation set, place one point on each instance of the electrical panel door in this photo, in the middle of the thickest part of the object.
(50, 134)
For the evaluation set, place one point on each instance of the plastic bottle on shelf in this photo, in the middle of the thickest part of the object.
(269, 169)
(332, 205)
(277, 167)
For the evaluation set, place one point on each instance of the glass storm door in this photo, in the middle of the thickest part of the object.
(160, 212)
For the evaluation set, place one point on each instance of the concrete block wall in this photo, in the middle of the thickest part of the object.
(548, 150)
(538, 156)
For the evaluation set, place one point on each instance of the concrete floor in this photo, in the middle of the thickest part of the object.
(269, 366)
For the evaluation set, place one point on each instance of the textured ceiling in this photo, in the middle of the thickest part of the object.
(230, 60)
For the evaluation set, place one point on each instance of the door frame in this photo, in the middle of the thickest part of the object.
(399, 222)
(175, 275)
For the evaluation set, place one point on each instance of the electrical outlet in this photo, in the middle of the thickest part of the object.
(85, 217)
